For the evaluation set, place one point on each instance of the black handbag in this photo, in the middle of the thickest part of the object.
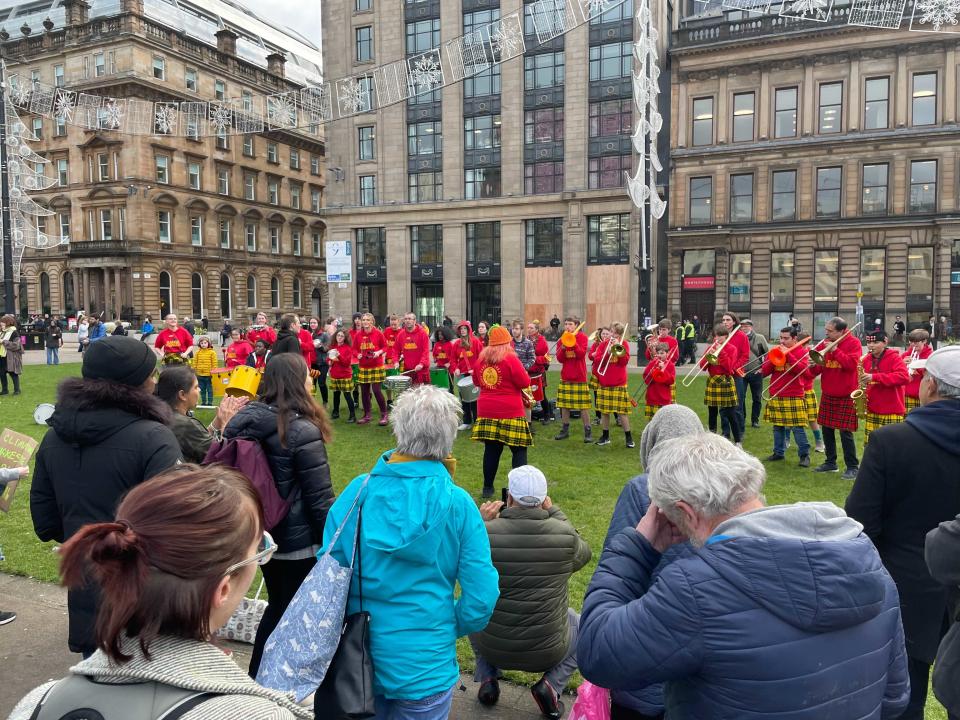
(346, 692)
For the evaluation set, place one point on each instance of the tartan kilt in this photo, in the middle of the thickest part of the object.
(614, 400)
(720, 392)
(786, 411)
(651, 410)
(673, 393)
(593, 383)
(911, 402)
(574, 396)
(509, 431)
(340, 384)
(839, 413)
(874, 421)
(371, 375)
(810, 398)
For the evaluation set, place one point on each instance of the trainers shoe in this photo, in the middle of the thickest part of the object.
(463, 426)
(596, 421)
(489, 692)
(631, 443)
(563, 434)
(755, 424)
(487, 492)
(587, 435)
(850, 474)
(820, 448)
(604, 440)
(384, 419)
(364, 420)
(547, 700)
(805, 461)
(827, 467)
(773, 457)
(739, 445)
(7, 617)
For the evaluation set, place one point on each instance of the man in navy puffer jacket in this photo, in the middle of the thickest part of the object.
(782, 612)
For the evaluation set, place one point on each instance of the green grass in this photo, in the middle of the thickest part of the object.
(584, 480)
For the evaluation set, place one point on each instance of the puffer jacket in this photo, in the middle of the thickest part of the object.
(300, 471)
(535, 551)
(787, 612)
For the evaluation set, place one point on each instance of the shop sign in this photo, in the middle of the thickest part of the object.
(699, 282)
(955, 277)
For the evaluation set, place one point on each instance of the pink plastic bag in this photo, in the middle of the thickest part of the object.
(592, 703)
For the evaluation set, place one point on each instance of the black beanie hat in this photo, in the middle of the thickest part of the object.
(122, 359)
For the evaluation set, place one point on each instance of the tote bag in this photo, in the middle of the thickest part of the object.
(298, 652)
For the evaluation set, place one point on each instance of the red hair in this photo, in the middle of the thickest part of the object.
(494, 354)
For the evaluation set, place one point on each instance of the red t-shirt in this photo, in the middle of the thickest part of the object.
(306, 346)
(727, 363)
(573, 360)
(261, 332)
(541, 349)
(659, 382)
(414, 347)
(441, 353)
(341, 368)
(885, 390)
(390, 336)
(500, 388)
(173, 341)
(741, 343)
(366, 344)
(237, 353)
(673, 354)
(913, 387)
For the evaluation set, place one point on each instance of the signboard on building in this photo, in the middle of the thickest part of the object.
(739, 290)
(339, 261)
(699, 282)
(955, 277)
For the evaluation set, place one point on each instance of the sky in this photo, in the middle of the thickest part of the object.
(301, 15)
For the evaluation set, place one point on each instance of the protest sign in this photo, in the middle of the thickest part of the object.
(15, 451)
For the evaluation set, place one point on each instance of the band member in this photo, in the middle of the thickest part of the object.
(599, 337)
(309, 352)
(720, 396)
(525, 353)
(442, 338)
(465, 350)
(917, 349)
(753, 381)
(741, 344)
(838, 412)
(483, 328)
(886, 377)
(414, 345)
(340, 358)
(260, 329)
(237, 351)
(501, 423)
(258, 358)
(321, 343)
(390, 335)
(810, 400)
(787, 409)
(659, 375)
(612, 397)
(173, 342)
(370, 349)
(573, 394)
(355, 328)
(663, 335)
(538, 373)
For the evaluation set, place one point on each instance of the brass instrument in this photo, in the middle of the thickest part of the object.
(695, 372)
(568, 339)
(914, 356)
(784, 354)
(860, 394)
(714, 357)
(614, 351)
(818, 354)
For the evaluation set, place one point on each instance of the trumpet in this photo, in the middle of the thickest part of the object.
(613, 351)
(780, 360)
(914, 356)
(818, 354)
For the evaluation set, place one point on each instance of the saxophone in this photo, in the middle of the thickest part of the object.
(860, 394)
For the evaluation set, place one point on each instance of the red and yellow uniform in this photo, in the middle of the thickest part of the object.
(720, 392)
(787, 406)
(538, 372)
(173, 342)
(673, 354)
(594, 382)
(237, 353)
(390, 336)
(442, 350)
(612, 396)
(573, 394)
(500, 411)
(463, 355)
(366, 345)
(809, 394)
(261, 332)
(839, 378)
(340, 375)
(885, 391)
(414, 348)
(911, 397)
(741, 343)
(660, 378)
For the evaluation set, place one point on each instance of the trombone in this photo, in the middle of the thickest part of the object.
(568, 339)
(780, 360)
(818, 354)
(613, 351)
(712, 357)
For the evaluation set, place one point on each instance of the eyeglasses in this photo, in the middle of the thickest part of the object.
(265, 551)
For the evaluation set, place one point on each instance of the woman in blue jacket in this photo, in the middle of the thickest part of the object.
(420, 535)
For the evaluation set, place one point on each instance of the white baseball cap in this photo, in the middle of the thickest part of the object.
(527, 485)
(944, 364)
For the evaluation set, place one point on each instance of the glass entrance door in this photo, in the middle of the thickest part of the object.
(428, 303)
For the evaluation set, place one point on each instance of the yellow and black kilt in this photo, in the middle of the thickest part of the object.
(875, 420)
(574, 396)
(673, 393)
(593, 383)
(837, 412)
(371, 375)
(509, 431)
(720, 392)
(786, 412)
(613, 400)
(810, 398)
(911, 402)
(340, 384)
(651, 410)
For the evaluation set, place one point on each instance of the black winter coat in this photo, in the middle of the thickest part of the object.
(287, 342)
(943, 560)
(300, 471)
(105, 438)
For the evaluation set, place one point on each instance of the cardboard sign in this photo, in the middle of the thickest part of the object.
(15, 451)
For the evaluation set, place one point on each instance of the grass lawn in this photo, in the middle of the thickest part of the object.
(585, 480)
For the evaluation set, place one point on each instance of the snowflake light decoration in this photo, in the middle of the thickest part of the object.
(935, 14)
(877, 13)
(64, 104)
(426, 72)
(19, 90)
(595, 8)
(506, 38)
(353, 95)
(816, 10)
(221, 118)
(112, 114)
(282, 110)
(165, 118)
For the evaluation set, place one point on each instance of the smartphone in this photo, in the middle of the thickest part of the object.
(503, 495)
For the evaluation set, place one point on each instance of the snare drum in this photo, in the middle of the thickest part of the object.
(43, 413)
(396, 384)
(536, 385)
(244, 381)
(468, 391)
(221, 380)
(440, 377)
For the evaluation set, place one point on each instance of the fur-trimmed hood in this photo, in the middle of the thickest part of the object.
(88, 411)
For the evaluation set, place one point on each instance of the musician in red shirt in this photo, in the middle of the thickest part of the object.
(538, 373)
(886, 376)
(918, 349)
(173, 342)
(612, 396)
(260, 329)
(741, 344)
(354, 331)
(787, 408)
(659, 375)
(573, 393)
(414, 347)
(390, 335)
(371, 347)
(720, 397)
(464, 351)
(340, 379)
(238, 350)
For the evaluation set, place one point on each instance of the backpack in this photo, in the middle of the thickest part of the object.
(247, 456)
(120, 330)
(79, 696)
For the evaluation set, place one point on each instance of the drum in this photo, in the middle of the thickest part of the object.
(440, 377)
(468, 391)
(244, 381)
(356, 373)
(536, 385)
(391, 372)
(221, 379)
(43, 413)
(397, 384)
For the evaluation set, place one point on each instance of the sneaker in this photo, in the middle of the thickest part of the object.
(335, 415)
(384, 419)
(805, 461)
(547, 700)
(563, 434)
(596, 421)
(587, 435)
(364, 420)
(827, 467)
(487, 492)
(604, 440)
(631, 443)
(739, 445)
(820, 448)
(489, 692)
(773, 457)
(464, 426)
(755, 424)
(850, 474)
(7, 617)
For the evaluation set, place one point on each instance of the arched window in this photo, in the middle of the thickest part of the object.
(69, 293)
(45, 292)
(274, 292)
(226, 309)
(297, 292)
(166, 294)
(196, 295)
(251, 291)
(315, 302)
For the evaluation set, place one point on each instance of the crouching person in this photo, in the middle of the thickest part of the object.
(535, 550)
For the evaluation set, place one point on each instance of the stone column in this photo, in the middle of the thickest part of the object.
(854, 114)
(807, 105)
(398, 274)
(575, 263)
(454, 271)
(107, 299)
(511, 270)
(118, 290)
(763, 106)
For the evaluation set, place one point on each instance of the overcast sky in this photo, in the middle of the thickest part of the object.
(302, 15)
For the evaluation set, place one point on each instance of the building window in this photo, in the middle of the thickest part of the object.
(831, 107)
(426, 244)
(371, 246)
(163, 169)
(193, 175)
(483, 83)
(876, 103)
(874, 190)
(192, 130)
(924, 98)
(785, 113)
(274, 240)
(920, 274)
(784, 198)
(829, 181)
(741, 198)
(159, 68)
(250, 233)
(248, 150)
(607, 172)
(425, 187)
(314, 164)
(274, 292)
(249, 187)
(781, 278)
(610, 61)
(608, 239)
(703, 121)
(316, 244)
(58, 80)
(743, 113)
(544, 241)
(222, 142)
(297, 293)
(296, 192)
(544, 70)
(872, 272)
(826, 276)
(740, 267)
(38, 127)
(273, 154)
(365, 147)
(700, 262)
(483, 242)
(223, 181)
(273, 192)
(362, 5)
(196, 230)
(541, 126)
(611, 117)
(106, 225)
(225, 234)
(481, 183)
(423, 35)
(246, 98)
(251, 291)
(368, 189)
(219, 90)
(103, 167)
(364, 43)
(481, 133)
(424, 138)
(701, 200)
(545, 177)
(64, 222)
(315, 201)
(295, 236)
(60, 127)
(294, 159)
(163, 226)
(923, 186)
(99, 67)
(190, 79)
(63, 172)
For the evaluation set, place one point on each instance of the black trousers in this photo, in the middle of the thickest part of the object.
(730, 420)
(755, 384)
(491, 460)
(321, 382)
(846, 441)
(919, 678)
(3, 376)
(282, 578)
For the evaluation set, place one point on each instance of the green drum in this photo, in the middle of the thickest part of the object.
(440, 377)
(356, 373)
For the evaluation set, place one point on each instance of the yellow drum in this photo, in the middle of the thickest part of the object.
(221, 379)
(244, 382)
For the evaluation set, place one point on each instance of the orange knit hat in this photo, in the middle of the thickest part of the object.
(498, 335)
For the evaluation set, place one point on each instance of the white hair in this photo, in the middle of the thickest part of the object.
(945, 389)
(425, 420)
(707, 472)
